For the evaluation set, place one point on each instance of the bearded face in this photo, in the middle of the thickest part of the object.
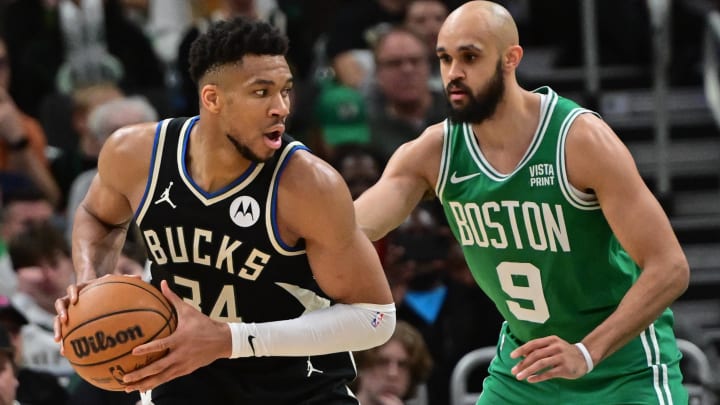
(479, 105)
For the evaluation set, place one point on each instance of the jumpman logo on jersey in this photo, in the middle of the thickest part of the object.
(311, 369)
(165, 197)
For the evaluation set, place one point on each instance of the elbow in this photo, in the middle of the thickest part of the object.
(681, 279)
(386, 332)
(675, 277)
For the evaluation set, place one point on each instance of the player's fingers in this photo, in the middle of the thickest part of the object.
(541, 365)
(72, 292)
(139, 379)
(57, 335)
(534, 356)
(159, 345)
(531, 346)
(170, 295)
(547, 375)
(61, 310)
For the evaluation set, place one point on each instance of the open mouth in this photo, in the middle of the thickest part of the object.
(274, 135)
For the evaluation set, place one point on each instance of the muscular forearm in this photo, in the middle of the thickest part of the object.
(96, 245)
(641, 306)
(330, 330)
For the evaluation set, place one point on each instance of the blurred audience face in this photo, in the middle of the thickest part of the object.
(360, 172)
(86, 99)
(425, 17)
(8, 380)
(389, 375)
(19, 214)
(46, 281)
(402, 68)
(128, 266)
(4, 66)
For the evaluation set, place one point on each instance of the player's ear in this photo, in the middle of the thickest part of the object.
(210, 98)
(512, 57)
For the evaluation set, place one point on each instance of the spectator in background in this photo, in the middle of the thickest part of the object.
(20, 208)
(72, 162)
(341, 114)
(424, 18)
(426, 297)
(22, 141)
(401, 103)
(391, 373)
(353, 33)
(48, 37)
(41, 257)
(359, 165)
(8, 379)
(102, 121)
(36, 387)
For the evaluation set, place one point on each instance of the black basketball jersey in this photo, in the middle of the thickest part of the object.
(222, 253)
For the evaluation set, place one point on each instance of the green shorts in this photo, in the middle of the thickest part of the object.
(645, 371)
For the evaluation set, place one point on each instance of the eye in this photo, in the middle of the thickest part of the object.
(261, 92)
(469, 57)
(286, 91)
(444, 58)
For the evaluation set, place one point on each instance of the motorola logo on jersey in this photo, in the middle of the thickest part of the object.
(244, 211)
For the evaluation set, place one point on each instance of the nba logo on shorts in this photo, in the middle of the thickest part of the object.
(377, 319)
(244, 211)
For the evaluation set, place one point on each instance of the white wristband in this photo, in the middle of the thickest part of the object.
(237, 331)
(586, 354)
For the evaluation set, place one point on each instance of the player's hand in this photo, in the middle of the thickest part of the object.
(61, 306)
(546, 358)
(197, 342)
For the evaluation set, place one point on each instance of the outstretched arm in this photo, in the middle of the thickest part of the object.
(409, 176)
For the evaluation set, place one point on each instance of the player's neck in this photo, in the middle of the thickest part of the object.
(213, 165)
(505, 136)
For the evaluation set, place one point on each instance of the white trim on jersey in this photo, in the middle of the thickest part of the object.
(575, 197)
(184, 135)
(444, 161)
(157, 160)
(276, 243)
(547, 107)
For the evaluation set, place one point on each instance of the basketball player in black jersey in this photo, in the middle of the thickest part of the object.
(251, 237)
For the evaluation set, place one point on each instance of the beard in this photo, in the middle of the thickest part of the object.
(481, 105)
(245, 152)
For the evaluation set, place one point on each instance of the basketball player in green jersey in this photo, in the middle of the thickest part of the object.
(555, 222)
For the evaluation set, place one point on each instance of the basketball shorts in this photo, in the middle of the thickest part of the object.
(643, 372)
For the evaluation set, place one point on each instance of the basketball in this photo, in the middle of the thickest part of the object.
(112, 316)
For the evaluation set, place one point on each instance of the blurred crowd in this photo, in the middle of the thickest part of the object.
(366, 81)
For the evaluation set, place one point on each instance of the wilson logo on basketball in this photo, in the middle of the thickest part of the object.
(100, 341)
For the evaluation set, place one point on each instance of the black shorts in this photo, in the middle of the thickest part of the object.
(288, 384)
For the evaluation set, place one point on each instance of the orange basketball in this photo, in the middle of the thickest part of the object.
(113, 315)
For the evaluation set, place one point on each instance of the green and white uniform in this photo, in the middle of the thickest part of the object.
(545, 254)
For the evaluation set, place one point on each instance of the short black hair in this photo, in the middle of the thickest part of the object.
(229, 41)
(39, 242)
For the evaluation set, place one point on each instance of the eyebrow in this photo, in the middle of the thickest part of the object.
(267, 82)
(461, 48)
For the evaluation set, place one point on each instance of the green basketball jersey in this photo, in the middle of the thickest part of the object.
(539, 248)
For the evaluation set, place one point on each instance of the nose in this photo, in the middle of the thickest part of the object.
(393, 368)
(280, 106)
(455, 72)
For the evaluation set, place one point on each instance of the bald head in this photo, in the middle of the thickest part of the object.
(485, 19)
